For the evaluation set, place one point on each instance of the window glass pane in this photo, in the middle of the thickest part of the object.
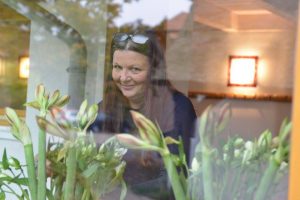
(14, 45)
(174, 61)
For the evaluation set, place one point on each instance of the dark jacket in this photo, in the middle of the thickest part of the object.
(145, 172)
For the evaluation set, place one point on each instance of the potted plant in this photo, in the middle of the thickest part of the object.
(237, 169)
(77, 168)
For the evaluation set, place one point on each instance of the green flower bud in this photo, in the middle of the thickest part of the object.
(238, 142)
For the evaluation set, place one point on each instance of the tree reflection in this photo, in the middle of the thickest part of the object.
(77, 23)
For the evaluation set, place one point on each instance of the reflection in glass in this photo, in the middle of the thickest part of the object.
(24, 67)
(14, 42)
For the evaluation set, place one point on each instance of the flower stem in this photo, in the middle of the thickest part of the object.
(31, 170)
(42, 165)
(207, 173)
(266, 180)
(174, 178)
(71, 174)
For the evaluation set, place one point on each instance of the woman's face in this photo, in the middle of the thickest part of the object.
(130, 72)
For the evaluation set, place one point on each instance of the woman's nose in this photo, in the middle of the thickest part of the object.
(124, 76)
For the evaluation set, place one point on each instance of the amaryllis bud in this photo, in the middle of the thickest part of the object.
(12, 117)
(39, 92)
(54, 98)
(62, 101)
(148, 131)
(82, 109)
(238, 142)
(51, 128)
(130, 141)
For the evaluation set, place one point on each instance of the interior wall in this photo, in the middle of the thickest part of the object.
(249, 118)
(212, 48)
(199, 62)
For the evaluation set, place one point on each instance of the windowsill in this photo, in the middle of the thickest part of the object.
(5, 133)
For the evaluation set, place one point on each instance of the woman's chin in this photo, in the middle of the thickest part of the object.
(128, 94)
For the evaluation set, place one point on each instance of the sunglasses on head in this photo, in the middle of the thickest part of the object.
(136, 38)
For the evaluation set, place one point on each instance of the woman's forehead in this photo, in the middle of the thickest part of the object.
(129, 57)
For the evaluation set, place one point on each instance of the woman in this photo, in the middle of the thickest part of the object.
(137, 80)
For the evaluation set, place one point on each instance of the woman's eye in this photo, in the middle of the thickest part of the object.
(118, 67)
(135, 69)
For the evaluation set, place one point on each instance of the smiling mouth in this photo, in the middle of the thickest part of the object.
(127, 87)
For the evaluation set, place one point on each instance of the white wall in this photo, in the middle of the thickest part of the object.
(249, 117)
(212, 48)
(198, 61)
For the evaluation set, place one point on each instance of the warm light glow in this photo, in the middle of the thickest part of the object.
(24, 67)
(242, 70)
(2, 67)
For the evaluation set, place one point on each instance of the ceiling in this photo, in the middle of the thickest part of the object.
(247, 15)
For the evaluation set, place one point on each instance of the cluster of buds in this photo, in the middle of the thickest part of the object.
(249, 151)
(63, 125)
(44, 102)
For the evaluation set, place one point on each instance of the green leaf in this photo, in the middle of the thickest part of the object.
(33, 104)
(25, 194)
(285, 129)
(14, 163)
(90, 170)
(62, 153)
(49, 195)
(2, 196)
(203, 127)
(5, 163)
(21, 181)
(5, 178)
(170, 140)
(225, 114)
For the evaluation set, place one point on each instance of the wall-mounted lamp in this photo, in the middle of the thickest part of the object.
(2, 67)
(242, 71)
(24, 67)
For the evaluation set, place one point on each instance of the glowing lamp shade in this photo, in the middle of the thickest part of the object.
(242, 71)
(24, 67)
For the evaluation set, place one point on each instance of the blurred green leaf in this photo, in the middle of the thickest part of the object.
(5, 163)
(170, 140)
(13, 162)
(90, 170)
(2, 196)
(33, 104)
